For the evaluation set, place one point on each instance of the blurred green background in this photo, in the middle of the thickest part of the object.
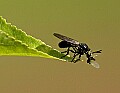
(96, 22)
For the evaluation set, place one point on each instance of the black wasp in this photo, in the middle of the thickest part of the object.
(77, 48)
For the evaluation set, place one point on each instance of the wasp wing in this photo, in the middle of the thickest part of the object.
(65, 38)
(95, 64)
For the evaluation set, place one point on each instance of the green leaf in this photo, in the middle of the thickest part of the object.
(14, 41)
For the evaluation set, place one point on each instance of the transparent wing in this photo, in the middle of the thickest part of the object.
(95, 64)
(65, 38)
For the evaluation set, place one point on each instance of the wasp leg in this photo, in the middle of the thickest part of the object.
(72, 51)
(69, 50)
(77, 59)
(75, 54)
(74, 57)
(65, 52)
(99, 51)
(89, 60)
(75, 49)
